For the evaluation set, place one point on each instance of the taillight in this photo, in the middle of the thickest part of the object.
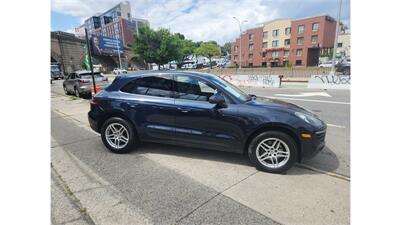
(83, 81)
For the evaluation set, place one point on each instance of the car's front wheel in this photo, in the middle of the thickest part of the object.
(273, 151)
(118, 135)
(65, 90)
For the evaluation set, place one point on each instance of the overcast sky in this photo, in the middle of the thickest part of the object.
(199, 20)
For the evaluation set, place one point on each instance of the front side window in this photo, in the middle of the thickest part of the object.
(192, 88)
(159, 86)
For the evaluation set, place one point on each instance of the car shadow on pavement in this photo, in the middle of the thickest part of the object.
(329, 162)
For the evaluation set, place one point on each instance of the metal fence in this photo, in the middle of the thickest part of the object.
(294, 72)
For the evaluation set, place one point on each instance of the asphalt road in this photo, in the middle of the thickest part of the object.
(332, 106)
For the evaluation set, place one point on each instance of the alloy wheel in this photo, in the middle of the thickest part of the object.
(77, 93)
(273, 152)
(117, 135)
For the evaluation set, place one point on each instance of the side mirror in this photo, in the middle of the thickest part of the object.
(217, 99)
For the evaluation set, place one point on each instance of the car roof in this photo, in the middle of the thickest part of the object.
(174, 72)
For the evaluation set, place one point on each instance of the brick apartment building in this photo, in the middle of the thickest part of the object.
(311, 37)
(280, 42)
(276, 42)
(252, 40)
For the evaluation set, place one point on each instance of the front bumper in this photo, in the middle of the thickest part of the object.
(312, 146)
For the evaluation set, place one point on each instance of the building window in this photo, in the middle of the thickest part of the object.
(274, 53)
(264, 54)
(287, 42)
(275, 33)
(287, 52)
(298, 62)
(250, 56)
(314, 39)
(265, 44)
(235, 57)
(299, 52)
(340, 45)
(265, 34)
(274, 43)
(300, 29)
(251, 46)
(236, 48)
(315, 26)
(251, 37)
(300, 41)
(288, 30)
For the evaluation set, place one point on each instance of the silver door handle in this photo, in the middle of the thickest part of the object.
(183, 110)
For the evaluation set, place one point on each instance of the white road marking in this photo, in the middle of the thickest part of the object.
(333, 125)
(306, 94)
(309, 100)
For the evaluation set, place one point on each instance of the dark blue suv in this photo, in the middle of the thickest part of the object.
(204, 111)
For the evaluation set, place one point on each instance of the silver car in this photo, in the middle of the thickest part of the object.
(79, 83)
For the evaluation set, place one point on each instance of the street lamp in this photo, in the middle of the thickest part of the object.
(240, 40)
(336, 39)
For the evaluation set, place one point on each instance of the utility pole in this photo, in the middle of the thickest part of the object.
(336, 39)
(240, 40)
(90, 59)
(119, 57)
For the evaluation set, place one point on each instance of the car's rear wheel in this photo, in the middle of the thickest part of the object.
(118, 135)
(65, 90)
(77, 94)
(273, 151)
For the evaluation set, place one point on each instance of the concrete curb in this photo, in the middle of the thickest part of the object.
(100, 201)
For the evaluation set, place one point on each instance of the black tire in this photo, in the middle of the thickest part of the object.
(76, 92)
(132, 140)
(290, 143)
(346, 71)
(65, 90)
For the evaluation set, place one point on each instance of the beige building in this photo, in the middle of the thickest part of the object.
(276, 42)
(343, 45)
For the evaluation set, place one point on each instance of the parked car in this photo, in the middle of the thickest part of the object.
(204, 111)
(117, 71)
(56, 72)
(344, 68)
(80, 83)
(325, 64)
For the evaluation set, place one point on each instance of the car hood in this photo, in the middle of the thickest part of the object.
(277, 104)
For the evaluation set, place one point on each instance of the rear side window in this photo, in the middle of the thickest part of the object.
(160, 86)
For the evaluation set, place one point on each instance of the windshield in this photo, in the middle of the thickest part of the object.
(55, 69)
(231, 88)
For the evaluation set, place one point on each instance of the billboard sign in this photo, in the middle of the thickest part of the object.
(106, 46)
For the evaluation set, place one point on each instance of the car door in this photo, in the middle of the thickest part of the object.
(70, 82)
(149, 102)
(200, 123)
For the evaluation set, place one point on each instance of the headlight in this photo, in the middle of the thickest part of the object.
(309, 119)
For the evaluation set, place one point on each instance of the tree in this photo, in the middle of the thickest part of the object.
(208, 50)
(159, 47)
(227, 47)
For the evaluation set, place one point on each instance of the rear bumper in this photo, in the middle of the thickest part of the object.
(311, 147)
(93, 123)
